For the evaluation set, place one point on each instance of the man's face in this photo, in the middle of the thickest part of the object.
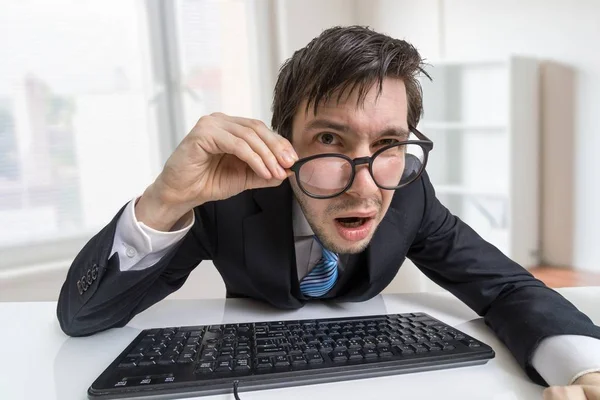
(346, 223)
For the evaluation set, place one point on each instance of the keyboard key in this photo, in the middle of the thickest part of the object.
(169, 360)
(422, 319)
(385, 351)
(314, 358)
(224, 366)
(472, 343)
(308, 347)
(404, 350)
(419, 348)
(148, 361)
(208, 355)
(355, 354)
(270, 335)
(228, 352)
(281, 361)
(370, 353)
(298, 359)
(260, 329)
(193, 340)
(242, 353)
(271, 351)
(432, 347)
(339, 355)
(327, 347)
(264, 362)
(129, 362)
(147, 341)
(241, 364)
(185, 358)
(206, 367)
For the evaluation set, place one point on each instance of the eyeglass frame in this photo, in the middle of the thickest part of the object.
(425, 143)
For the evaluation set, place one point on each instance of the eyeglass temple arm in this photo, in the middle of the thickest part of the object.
(418, 133)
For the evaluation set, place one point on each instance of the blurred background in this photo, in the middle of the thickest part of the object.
(94, 96)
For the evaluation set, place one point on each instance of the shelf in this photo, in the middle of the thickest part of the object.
(459, 126)
(461, 190)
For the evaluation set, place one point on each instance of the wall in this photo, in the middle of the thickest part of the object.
(563, 31)
(299, 21)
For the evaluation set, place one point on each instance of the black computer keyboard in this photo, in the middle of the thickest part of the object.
(206, 360)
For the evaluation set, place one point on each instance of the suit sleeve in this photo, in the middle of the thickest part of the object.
(520, 309)
(97, 295)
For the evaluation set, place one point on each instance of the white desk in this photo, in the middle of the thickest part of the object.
(40, 362)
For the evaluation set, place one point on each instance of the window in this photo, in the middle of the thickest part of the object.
(84, 93)
(214, 58)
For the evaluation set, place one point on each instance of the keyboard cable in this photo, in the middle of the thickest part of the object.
(235, 389)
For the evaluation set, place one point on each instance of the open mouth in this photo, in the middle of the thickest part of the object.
(355, 228)
(352, 222)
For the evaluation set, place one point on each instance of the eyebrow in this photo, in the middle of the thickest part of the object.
(318, 123)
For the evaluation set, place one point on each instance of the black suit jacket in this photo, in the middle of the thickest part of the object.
(249, 238)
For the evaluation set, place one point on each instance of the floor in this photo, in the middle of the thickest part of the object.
(562, 277)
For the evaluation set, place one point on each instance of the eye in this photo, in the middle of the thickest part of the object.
(326, 138)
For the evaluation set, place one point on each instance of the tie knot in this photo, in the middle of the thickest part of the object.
(328, 255)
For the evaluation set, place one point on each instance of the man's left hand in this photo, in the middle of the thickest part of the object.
(586, 387)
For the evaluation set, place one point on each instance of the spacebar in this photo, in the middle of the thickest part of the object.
(271, 352)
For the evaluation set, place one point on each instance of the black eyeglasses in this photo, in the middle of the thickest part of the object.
(324, 176)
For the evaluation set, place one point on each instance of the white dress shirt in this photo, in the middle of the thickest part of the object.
(560, 360)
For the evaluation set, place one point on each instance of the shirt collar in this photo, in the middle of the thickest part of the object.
(300, 223)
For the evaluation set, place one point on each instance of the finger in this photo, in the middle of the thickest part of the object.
(280, 146)
(564, 393)
(591, 392)
(230, 144)
(257, 144)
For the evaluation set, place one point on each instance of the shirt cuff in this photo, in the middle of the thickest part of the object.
(562, 359)
(140, 246)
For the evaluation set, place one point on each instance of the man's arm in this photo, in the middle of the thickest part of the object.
(139, 246)
(98, 295)
(520, 309)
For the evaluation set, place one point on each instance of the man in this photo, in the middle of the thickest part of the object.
(326, 208)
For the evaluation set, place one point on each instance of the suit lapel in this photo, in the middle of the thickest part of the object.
(269, 245)
(388, 247)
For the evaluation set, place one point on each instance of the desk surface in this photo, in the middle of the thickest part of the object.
(39, 361)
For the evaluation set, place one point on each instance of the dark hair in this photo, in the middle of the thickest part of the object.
(343, 58)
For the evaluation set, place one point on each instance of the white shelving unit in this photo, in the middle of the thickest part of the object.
(483, 118)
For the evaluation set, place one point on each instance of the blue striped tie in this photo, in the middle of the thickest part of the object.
(323, 276)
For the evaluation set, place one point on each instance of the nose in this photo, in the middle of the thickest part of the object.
(363, 186)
